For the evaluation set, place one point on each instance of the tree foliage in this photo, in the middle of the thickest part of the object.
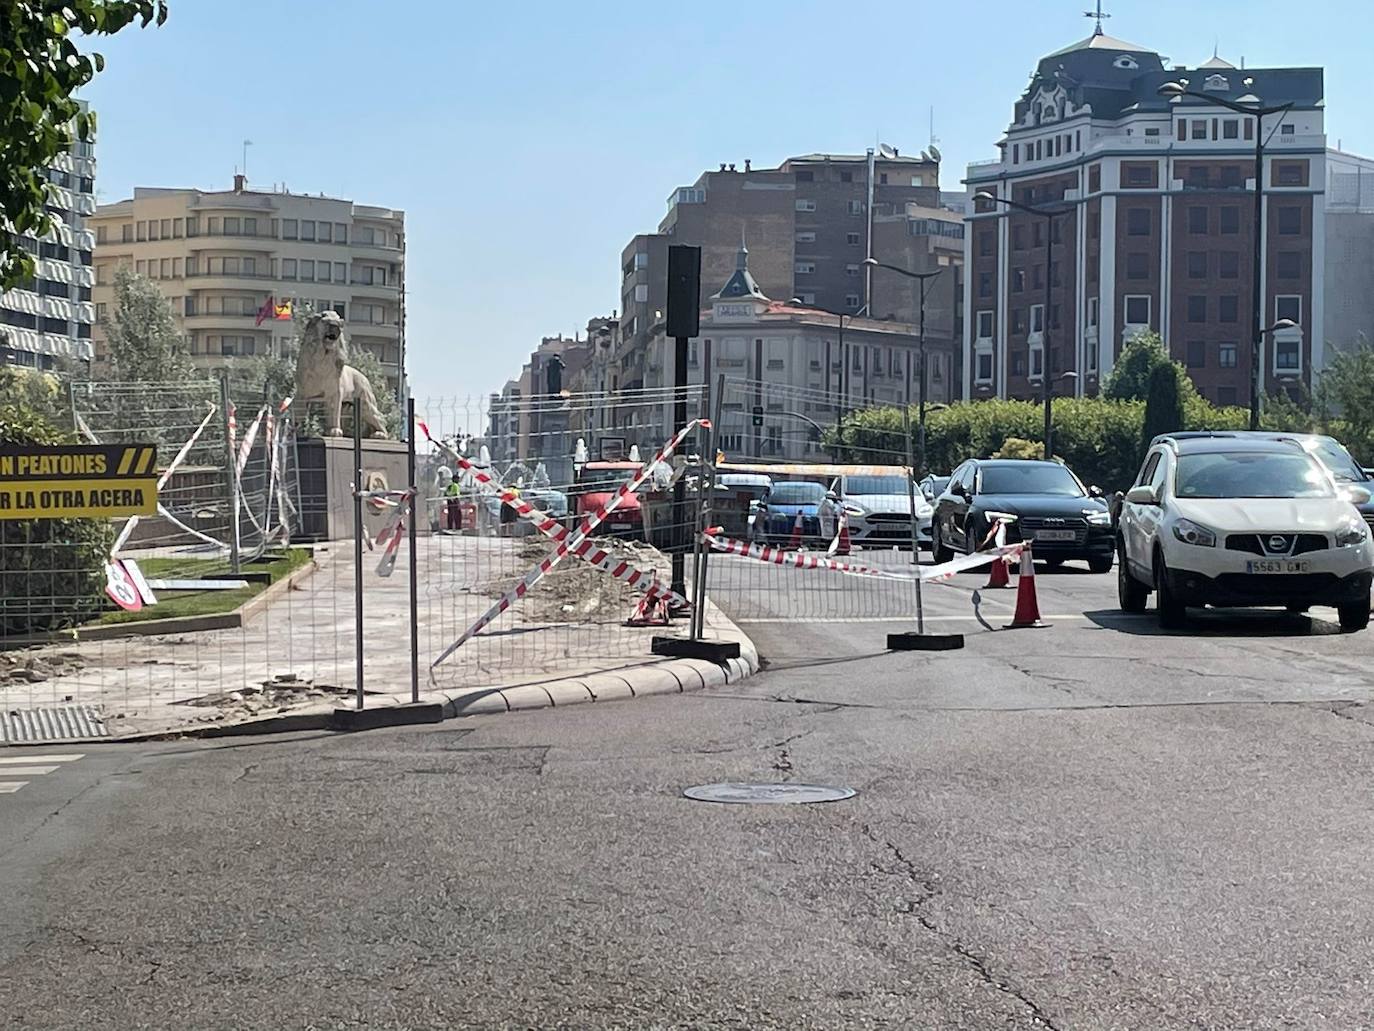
(1129, 379)
(1020, 448)
(145, 345)
(1345, 398)
(1163, 406)
(41, 69)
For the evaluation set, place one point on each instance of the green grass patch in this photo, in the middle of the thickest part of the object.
(174, 604)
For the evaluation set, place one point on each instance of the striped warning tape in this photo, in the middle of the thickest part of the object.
(573, 541)
(803, 560)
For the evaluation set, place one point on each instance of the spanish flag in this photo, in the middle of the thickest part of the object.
(267, 310)
(282, 310)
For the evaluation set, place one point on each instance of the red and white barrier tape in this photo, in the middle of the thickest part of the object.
(246, 448)
(779, 557)
(132, 521)
(572, 542)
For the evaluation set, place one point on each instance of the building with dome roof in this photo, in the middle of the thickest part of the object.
(1157, 233)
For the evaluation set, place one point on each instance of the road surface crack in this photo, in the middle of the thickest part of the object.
(927, 889)
(1342, 711)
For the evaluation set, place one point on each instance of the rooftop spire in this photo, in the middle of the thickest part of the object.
(1097, 14)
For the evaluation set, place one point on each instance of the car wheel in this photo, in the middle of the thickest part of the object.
(1172, 614)
(937, 546)
(1297, 608)
(1354, 617)
(1056, 562)
(973, 535)
(1100, 564)
(1130, 592)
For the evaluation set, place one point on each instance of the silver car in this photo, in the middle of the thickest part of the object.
(879, 510)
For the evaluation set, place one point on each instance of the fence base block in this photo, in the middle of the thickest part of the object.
(389, 716)
(684, 648)
(914, 642)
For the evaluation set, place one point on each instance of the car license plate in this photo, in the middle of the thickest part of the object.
(1055, 535)
(620, 526)
(1276, 565)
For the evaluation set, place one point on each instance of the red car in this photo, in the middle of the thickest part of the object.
(597, 482)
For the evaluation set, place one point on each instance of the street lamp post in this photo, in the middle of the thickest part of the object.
(1177, 91)
(844, 369)
(922, 278)
(1046, 374)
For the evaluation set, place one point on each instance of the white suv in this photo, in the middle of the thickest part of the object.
(1240, 521)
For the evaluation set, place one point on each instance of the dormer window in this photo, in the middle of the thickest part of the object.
(1218, 83)
(1128, 63)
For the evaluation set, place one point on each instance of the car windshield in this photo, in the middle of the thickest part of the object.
(796, 494)
(1250, 474)
(932, 489)
(1031, 478)
(875, 485)
(1337, 459)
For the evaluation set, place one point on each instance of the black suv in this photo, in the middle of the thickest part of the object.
(1052, 509)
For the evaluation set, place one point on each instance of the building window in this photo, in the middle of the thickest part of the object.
(1226, 356)
(1018, 321)
(232, 226)
(1199, 128)
(984, 325)
(1197, 308)
(1287, 354)
(1286, 129)
(1230, 129)
(851, 270)
(1197, 354)
(984, 284)
(1018, 280)
(1289, 264)
(851, 300)
(1093, 304)
(1016, 153)
(1197, 264)
(882, 178)
(307, 230)
(192, 225)
(1197, 177)
(846, 177)
(1037, 361)
(289, 229)
(165, 272)
(1290, 221)
(324, 232)
(1288, 306)
(1037, 318)
(1137, 266)
(1230, 177)
(852, 239)
(856, 207)
(1137, 309)
(1228, 265)
(983, 370)
(1140, 175)
(1230, 219)
(1138, 221)
(288, 268)
(805, 175)
(806, 237)
(340, 272)
(1197, 219)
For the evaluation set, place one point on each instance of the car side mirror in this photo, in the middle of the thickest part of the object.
(1358, 495)
(1142, 495)
(830, 495)
(1095, 491)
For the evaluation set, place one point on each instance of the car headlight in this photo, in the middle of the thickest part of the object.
(1352, 534)
(1190, 532)
(924, 511)
(1099, 519)
(854, 511)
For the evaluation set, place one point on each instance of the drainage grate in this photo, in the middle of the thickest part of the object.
(769, 794)
(54, 723)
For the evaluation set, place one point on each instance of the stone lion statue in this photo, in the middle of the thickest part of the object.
(321, 374)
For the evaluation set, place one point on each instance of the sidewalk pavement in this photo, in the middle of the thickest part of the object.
(292, 663)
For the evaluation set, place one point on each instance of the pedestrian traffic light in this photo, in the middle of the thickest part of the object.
(684, 291)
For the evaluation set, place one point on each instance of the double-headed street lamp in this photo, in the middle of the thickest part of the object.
(1254, 109)
(922, 278)
(1046, 373)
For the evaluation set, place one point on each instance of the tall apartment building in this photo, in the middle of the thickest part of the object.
(51, 315)
(219, 255)
(1160, 232)
(809, 226)
(1348, 316)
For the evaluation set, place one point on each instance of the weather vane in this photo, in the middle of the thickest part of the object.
(1098, 14)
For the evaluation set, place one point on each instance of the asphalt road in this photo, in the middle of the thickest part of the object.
(1094, 825)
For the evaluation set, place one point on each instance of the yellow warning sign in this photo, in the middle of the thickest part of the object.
(96, 481)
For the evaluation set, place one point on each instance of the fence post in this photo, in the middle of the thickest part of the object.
(414, 562)
(911, 498)
(227, 406)
(358, 552)
(706, 487)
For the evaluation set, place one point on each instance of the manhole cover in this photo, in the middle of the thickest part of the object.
(769, 794)
(53, 723)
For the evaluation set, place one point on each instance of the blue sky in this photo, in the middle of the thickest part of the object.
(528, 142)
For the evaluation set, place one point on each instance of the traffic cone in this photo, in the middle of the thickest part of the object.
(999, 576)
(1027, 608)
(796, 541)
(840, 545)
(650, 613)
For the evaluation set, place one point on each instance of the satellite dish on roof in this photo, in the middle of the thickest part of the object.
(935, 152)
(885, 151)
(925, 156)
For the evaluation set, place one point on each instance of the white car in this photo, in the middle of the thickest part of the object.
(1241, 521)
(879, 509)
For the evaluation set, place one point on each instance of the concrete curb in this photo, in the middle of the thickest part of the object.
(666, 676)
